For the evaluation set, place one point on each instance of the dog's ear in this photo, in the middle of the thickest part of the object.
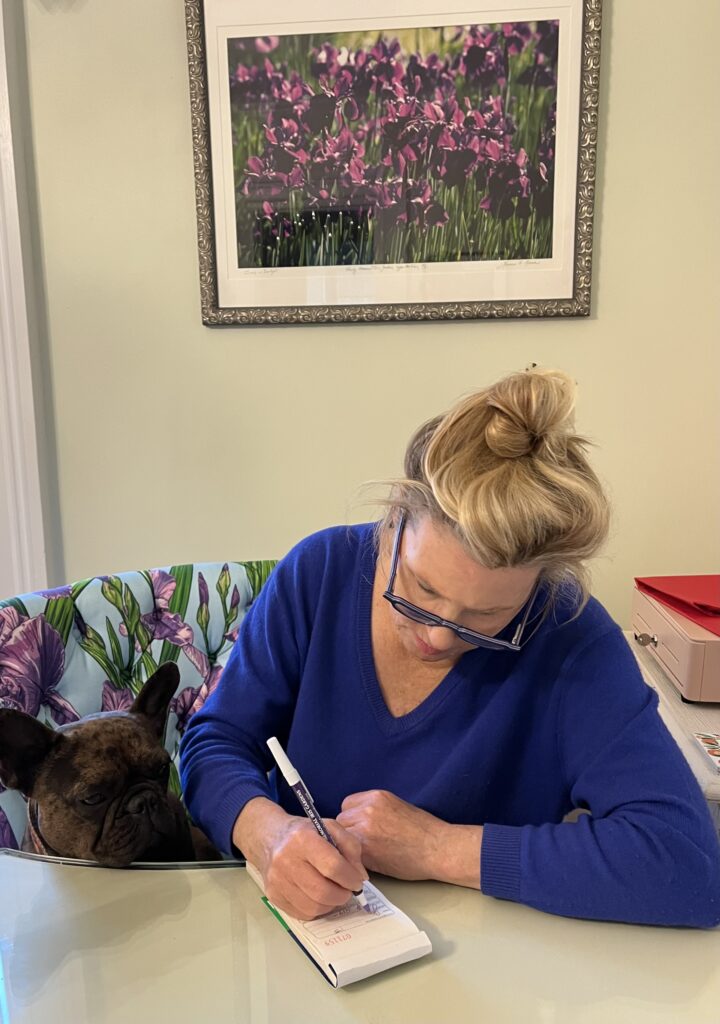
(24, 745)
(154, 699)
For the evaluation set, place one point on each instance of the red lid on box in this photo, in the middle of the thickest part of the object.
(695, 597)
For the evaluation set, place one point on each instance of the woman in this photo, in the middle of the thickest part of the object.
(449, 692)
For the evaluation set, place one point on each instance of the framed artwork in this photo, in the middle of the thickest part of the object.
(393, 162)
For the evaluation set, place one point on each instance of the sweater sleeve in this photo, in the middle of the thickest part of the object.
(224, 760)
(647, 852)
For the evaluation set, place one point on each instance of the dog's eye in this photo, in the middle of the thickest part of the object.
(92, 800)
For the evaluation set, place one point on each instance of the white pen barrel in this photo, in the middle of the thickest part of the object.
(283, 762)
(292, 777)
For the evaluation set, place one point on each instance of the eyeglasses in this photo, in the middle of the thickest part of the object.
(470, 636)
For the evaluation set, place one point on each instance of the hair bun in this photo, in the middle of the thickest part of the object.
(505, 472)
(530, 413)
(506, 437)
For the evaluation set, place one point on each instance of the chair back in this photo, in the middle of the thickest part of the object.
(90, 646)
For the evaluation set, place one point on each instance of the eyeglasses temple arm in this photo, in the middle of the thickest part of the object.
(523, 622)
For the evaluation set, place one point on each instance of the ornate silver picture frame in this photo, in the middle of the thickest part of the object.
(393, 164)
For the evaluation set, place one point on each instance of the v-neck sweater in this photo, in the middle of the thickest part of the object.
(512, 741)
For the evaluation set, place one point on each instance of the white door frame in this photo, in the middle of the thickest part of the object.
(23, 564)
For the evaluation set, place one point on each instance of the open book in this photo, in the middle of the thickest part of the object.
(352, 942)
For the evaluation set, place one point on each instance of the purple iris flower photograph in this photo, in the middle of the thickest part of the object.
(412, 146)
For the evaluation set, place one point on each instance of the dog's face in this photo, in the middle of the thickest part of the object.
(100, 784)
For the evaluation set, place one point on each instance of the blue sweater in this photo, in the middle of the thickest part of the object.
(512, 741)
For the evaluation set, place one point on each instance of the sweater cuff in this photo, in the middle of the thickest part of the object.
(500, 873)
(226, 813)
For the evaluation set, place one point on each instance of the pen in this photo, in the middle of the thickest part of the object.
(296, 784)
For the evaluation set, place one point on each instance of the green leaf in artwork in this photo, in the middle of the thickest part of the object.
(257, 574)
(148, 663)
(182, 574)
(174, 782)
(60, 614)
(96, 649)
(93, 638)
(145, 666)
(17, 604)
(114, 644)
(132, 609)
(223, 584)
(76, 589)
(112, 592)
(142, 636)
(203, 617)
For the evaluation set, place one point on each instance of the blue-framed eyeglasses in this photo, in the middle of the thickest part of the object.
(470, 636)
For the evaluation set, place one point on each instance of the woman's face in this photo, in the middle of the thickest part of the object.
(437, 574)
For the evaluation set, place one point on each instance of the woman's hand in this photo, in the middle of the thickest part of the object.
(403, 841)
(303, 873)
(397, 838)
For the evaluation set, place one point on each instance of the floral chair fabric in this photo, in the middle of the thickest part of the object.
(90, 646)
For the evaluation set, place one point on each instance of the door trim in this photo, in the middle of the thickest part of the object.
(24, 547)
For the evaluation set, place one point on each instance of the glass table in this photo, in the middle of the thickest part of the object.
(89, 945)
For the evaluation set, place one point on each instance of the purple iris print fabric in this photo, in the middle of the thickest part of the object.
(32, 659)
(92, 645)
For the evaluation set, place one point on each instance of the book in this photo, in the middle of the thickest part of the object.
(709, 743)
(352, 942)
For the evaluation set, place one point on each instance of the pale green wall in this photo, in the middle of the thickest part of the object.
(176, 442)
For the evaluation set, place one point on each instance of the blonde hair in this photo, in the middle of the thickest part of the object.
(505, 470)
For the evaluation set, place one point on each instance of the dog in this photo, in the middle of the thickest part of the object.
(97, 789)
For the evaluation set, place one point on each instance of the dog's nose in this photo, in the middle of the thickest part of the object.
(141, 803)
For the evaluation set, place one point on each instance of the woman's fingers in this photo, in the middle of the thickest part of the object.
(307, 876)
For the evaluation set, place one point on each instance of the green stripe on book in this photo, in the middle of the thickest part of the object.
(272, 910)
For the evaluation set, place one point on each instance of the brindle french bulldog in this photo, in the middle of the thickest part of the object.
(98, 788)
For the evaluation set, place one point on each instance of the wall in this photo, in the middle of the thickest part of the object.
(177, 442)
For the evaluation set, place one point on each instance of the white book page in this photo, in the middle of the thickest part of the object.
(370, 936)
(352, 929)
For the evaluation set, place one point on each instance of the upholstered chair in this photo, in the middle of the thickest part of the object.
(91, 645)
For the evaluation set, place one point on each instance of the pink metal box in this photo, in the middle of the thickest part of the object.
(689, 654)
